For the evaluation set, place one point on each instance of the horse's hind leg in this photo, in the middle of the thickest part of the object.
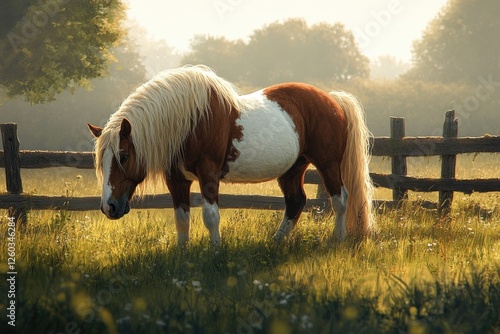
(292, 185)
(339, 203)
(333, 184)
(209, 176)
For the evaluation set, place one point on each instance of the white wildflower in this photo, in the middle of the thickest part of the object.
(197, 286)
(122, 320)
(305, 323)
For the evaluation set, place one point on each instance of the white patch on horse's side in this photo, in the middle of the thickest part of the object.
(270, 144)
(211, 219)
(340, 206)
(107, 188)
(182, 221)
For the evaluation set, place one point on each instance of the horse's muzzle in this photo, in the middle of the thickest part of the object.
(116, 209)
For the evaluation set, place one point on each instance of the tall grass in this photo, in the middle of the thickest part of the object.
(81, 273)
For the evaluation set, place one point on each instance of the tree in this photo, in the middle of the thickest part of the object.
(219, 53)
(292, 51)
(48, 46)
(288, 51)
(461, 44)
(60, 124)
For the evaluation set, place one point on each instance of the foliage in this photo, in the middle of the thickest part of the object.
(219, 53)
(61, 124)
(53, 45)
(423, 105)
(294, 51)
(460, 44)
(279, 52)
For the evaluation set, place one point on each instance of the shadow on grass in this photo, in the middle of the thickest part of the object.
(213, 295)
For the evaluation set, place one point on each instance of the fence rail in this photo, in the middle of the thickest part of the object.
(382, 146)
(398, 147)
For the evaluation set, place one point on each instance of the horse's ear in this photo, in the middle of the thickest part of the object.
(95, 130)
(125, 129)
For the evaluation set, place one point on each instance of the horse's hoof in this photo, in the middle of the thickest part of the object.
(278, 237)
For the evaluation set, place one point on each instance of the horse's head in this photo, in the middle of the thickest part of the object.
(120, 171)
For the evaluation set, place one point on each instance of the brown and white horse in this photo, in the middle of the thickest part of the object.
(189, 124)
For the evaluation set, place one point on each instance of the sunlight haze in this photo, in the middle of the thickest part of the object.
(381, 27)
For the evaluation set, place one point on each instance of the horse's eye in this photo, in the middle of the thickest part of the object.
(123, 158)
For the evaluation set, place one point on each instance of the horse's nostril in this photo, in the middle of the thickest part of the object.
(112, 209)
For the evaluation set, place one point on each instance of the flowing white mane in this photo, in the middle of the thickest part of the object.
(162, 113)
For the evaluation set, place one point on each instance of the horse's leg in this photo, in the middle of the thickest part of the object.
(333, 184)
(292, 185)
(209, 177)
(179, 188)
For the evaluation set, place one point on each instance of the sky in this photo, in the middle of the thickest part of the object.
(381, 27)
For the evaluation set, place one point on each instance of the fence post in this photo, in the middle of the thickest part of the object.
(12, 165)
(448, 162)
(398, 162)
(12, 159)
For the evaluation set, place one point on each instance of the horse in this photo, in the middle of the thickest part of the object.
(188, 124)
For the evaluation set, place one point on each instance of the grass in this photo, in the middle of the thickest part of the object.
(81, 273)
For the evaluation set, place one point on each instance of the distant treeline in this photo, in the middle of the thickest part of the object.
(280, 52)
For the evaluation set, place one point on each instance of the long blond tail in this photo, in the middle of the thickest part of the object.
(354, 167)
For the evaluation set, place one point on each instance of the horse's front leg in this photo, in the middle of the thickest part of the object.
(209, 178)
(179, 188)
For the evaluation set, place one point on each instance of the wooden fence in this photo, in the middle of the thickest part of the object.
(398, 147)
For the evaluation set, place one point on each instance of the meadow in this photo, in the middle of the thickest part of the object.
(81, 273)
